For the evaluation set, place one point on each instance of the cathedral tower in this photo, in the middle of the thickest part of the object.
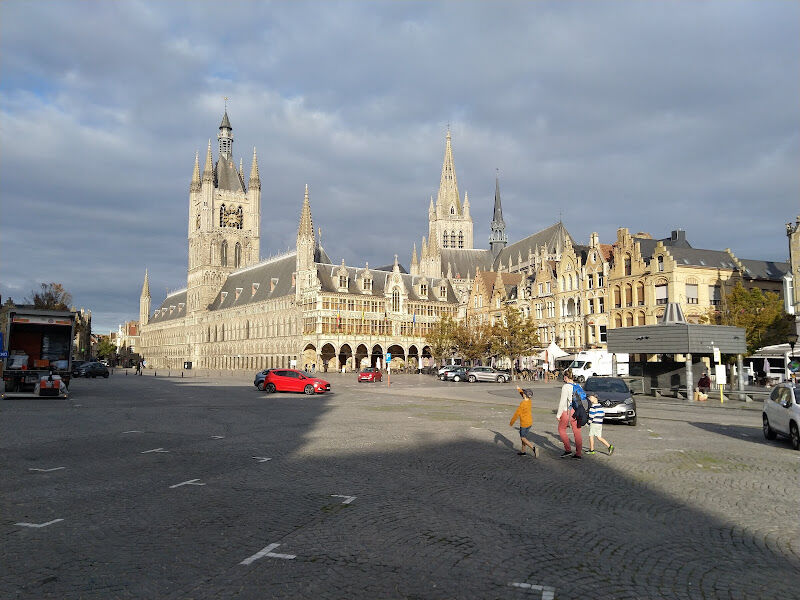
(224, 220)
(144, 301)
(306, 246)
(498, 238)
(449, 223)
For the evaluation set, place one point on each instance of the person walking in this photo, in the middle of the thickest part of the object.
(565, 417)
(525, 416)
(596, 415)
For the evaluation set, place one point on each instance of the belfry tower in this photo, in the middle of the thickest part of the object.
(224, 220)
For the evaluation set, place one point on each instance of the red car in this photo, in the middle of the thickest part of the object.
(369, 374)
(292, 380)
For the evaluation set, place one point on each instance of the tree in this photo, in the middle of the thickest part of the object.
(514, 336)
(760, 314)
(472, 339)
(440, 338)
(52, 296)
(106, 349)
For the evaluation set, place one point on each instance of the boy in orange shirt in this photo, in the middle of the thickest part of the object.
(525, 416)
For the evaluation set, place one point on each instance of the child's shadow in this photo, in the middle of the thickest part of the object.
(539, 440)
(499, 438)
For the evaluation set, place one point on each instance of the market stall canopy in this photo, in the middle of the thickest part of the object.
(551, 353)
(673, 335)
(777, 351)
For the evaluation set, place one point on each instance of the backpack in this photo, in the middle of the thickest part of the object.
(579, 410)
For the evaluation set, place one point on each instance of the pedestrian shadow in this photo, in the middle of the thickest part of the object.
(540, 440)
(499, 438)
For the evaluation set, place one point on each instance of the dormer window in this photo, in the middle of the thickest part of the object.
(342, 281)
(180, 306)
(443, 292)
(367, 283)
(423, 289)
(223, 295)
(254, 289)
(272, 283)
(238, 293)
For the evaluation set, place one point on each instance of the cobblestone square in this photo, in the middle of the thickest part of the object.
(203, 487)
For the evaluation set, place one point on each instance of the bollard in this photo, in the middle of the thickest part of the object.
(126, 372)
(181, 374)
(155, 373)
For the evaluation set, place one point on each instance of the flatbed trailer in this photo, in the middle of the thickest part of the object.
(37, 352)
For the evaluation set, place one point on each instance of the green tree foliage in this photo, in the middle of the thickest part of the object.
(52, 296)
(760, 314)
(106, 349)
(514, 336)
(472, 339)
(441, 337)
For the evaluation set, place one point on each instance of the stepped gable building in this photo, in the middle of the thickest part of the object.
(299, 308)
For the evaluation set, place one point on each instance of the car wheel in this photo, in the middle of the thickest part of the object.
(632, 422)
(795, 435)
(270, 388)
(260, 386)
(105, 375)
(501, 379)
(456, 378)
(472, 378)
(769, 432)
(309, 390)
(442, 377)
(580, 379)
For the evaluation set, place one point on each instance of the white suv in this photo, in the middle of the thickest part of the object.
(782, 414)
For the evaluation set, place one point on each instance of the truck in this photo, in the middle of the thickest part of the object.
(588, 363)
(37, 351)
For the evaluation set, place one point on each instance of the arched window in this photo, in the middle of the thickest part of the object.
(452, 210)
(452, 239)
(237, 255)
(444, 240)
(627, 264)
(222, 215)
(223, 255)
(395, 300)
(197, 222)
(617, 299)
(240, 220)
(640, 294)
(629, 320)
(460, 239)
(640, 318)
(628, 295)
(618, 321)
(660, 260)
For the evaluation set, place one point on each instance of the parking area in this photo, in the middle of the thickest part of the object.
(203, 487)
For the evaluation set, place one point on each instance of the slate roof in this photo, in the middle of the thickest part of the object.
(545, 237)
(465, 263)
(717, 259)
(329, 277)
(764, 269)
(171, 308)
(278, 269)
(648, 245)
(227, 176)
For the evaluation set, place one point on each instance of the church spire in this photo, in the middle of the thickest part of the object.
(447, 197)
(208, 170)
(195, 185)
(146, 285)
(498, 238)
(414, 261)
(306, 229)
(255, 180)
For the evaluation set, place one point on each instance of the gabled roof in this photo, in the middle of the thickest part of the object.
(273, 279)
(764, 269)
(328, 275)
(171, 308)
(716, 259)
(546, 237)
(465, 263)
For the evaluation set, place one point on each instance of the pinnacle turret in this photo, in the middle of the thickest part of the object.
(255, 180)
(208, 169)
(414, 261)
(195, 185)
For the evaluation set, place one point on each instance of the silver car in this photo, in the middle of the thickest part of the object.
(781, 415)
(486, 374)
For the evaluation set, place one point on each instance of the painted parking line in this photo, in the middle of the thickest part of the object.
(268, 551)
(217, 437)
(46, 470)
(154, 450)
(190, 482)
(348, 499)
(39, 525)
(548, 593)
(261, 458)
(133, 431)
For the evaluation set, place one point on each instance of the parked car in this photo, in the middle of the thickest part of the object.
(91, 369)
(781, 414)
(444, 368)
(292, 380)
(614, 396)
(369, 374)
(487, 374)
(259, 378)
(456, 373)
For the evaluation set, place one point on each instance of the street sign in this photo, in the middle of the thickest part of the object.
(717, 357)
(4, 354)
(388, 357)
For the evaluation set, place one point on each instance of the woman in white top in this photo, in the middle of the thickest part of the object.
(564, 416)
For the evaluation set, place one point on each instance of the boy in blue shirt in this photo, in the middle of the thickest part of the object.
(596, 416)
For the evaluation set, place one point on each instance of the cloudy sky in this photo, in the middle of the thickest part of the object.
(646, 115)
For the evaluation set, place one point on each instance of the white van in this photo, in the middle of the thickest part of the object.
(589, 363)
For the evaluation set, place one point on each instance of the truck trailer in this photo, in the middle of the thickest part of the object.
(37, 352)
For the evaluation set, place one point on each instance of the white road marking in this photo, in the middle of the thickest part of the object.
(47, 470)
(268, 551)
(39, 525)
(154, 450)
(261, 458)
(699, 465)
(655, 437)
(548, 593)
(190, 482)
(348, 500)
(217, 437)
(133, 431)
